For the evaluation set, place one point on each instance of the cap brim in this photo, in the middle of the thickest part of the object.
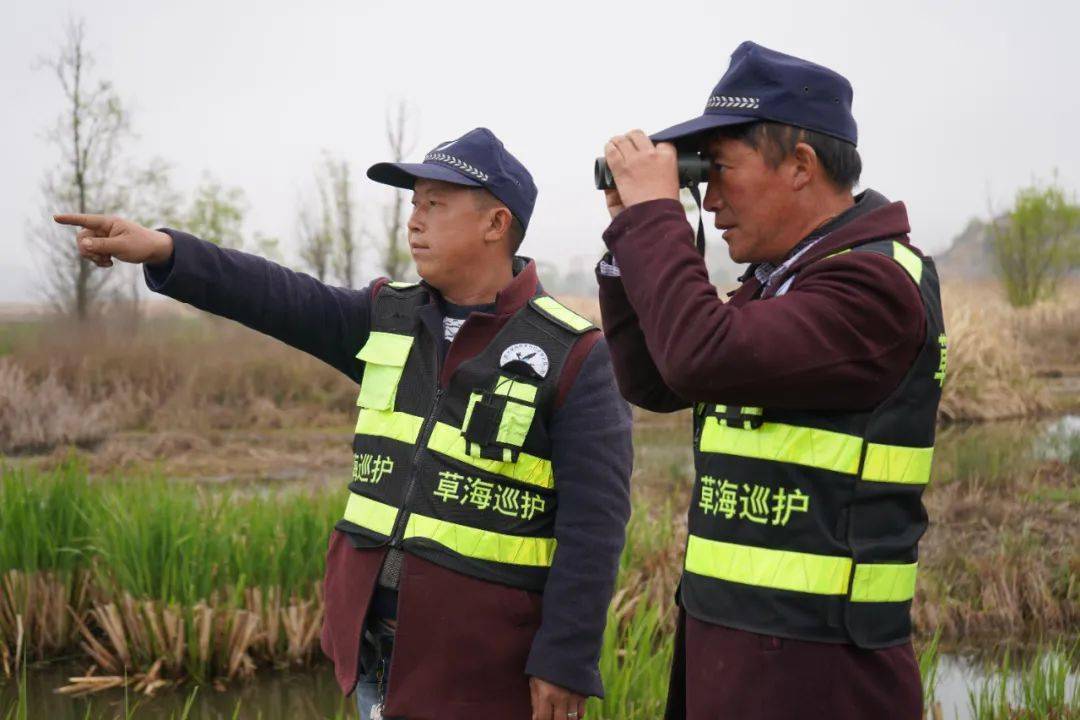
(404, 175)
(698, 125)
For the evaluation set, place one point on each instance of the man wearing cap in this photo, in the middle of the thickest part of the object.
(814, 388)
(471, 571)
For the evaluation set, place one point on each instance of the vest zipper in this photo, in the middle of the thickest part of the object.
(396, 535)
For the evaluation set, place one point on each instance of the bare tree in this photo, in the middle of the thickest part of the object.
(395, 248)
(329, 241)
(88, 135)
(316, 240)
(347, 241)
(149, 198)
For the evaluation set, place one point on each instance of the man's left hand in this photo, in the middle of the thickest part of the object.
(551, 702)
(642, 171)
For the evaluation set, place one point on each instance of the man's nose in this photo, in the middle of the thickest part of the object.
(414, 223)
(712, 200)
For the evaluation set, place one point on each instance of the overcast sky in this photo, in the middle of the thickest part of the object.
(958, 103)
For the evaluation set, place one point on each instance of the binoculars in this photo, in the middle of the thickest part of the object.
(693, 169)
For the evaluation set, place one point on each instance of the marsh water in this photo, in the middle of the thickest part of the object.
(985, 449)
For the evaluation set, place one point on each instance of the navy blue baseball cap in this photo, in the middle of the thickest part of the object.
(476, 159)
(762, 84)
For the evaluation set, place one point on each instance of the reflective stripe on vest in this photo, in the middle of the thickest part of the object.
(824, 449)
(785, 443)
(555, 309)
(904, 256)
(448, 440)
(800, 572)
(399, 426)
(371, 514)
(908, 259)
(482, 544)
(519, 390)
(898, 464)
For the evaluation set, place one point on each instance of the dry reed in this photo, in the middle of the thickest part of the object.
(69, 385)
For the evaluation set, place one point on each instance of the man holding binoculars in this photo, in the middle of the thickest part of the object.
(814, 390)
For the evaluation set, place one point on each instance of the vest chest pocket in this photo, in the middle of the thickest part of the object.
(384, 356)
(497, 420)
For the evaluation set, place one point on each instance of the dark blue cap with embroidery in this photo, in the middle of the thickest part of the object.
(762, 84)
(476, 159)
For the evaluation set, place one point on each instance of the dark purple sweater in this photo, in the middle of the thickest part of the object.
(841, 338)
(590, 433)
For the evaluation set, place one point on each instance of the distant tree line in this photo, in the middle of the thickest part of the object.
(96, 173)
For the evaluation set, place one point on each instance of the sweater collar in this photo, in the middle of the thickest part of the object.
(871, 217)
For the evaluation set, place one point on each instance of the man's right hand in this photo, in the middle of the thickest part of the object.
(104, 237)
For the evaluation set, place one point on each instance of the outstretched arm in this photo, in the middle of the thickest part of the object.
(328, 322)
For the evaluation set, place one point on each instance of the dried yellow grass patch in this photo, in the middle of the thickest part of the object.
(37, 414)
(999, 356)
(1000, 559)
(148, 645)
(38, 614)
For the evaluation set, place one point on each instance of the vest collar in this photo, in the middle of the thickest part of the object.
(881, 219)
(523, 288)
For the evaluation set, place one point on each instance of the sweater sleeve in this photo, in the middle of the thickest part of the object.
(639, 379)
(331, 323)
(592, 457)
(841, 338)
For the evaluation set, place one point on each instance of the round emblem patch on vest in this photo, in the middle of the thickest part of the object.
(532, 356)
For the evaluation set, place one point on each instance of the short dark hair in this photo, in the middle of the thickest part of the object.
(776, 142)
(516, 234)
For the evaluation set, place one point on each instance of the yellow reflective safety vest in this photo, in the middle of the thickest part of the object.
(461, 475)
(806, 524)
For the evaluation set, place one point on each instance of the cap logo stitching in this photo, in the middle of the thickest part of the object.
(458, 164)
(726, 101)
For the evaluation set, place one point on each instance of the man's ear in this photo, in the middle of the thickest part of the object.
(805, 166)
(497, 225)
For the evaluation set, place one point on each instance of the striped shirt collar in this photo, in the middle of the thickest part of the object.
(767, 272)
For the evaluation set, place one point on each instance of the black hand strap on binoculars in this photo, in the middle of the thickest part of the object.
(696, 194)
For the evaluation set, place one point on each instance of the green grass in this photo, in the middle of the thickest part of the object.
(991, 452)
(20, 708)
(173, 542)
(190, 551)
(929, 660)
(1037, 688)
(181, 543)
(46, 525)
(635, 662)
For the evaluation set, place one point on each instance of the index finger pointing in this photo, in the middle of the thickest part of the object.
(94, 222)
